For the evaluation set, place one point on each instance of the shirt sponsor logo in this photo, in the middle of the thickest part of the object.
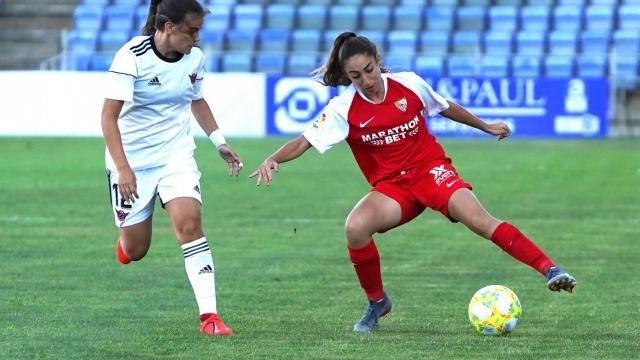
(393, 134)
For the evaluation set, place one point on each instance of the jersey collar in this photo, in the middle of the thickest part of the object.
(162, 57)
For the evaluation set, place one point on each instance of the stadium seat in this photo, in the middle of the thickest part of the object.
(376, 17)
(629, 17)
(461, 65)
(625, 70)
(312, 17)
(230, 3)
(287, 2)
(611, 3)
(558, 66)
(92, 2)
(319, 2)
(234, 62)
(343, 17)
(567, 18)
(301, 63)
(402, 42)
(439, 18)
(270, 63)
(350, 2)
(212, 41)
(407, 18)
(119, 17)
(82, 42)
(498, 43)
(429, 66)
(591, 66)
(305, 40)
(77, 62)
(483, 3)
(274, 40)
(212, 63)
(377, 37)
(534, 18)
(382, 2)
(546, 3)
(471, 18)
(599, 18)
(562, 43)
(466, 42)
(531, 43)
(434, 43)
(525, 66)
(511, 3)
(594, 42)
(414, 3)
(130, 3)
(141, 14)
(626, 42)
(219, 19)
(247, 16)
(88, 17)
(451, 3)
(280, 16)
(576, 3)
(503, 18)
(112, 40)
(240, 40)
(100, 61)
(398, 62)
(494, 66)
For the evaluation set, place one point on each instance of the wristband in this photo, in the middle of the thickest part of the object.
(217, 138)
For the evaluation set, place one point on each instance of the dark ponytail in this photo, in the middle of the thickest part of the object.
(345, 46)
(161, 11)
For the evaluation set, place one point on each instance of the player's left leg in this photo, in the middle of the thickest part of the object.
(465, 207)
(185, 214)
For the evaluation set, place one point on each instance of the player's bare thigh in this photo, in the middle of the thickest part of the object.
(375, 212)
(465, 207)
(136, 239)
(186, 218)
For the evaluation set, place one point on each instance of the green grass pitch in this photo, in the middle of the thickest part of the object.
(285, 284)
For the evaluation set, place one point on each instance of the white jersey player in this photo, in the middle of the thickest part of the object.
(154, 85)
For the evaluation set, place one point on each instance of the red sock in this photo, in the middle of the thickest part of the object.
(122, 257)
(366, 262)
(516, 244)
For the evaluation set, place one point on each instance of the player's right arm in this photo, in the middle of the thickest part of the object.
(287, 152)
(113, 140)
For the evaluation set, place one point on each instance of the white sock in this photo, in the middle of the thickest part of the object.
(199, 266)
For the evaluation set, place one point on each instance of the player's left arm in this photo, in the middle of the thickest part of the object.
(204, 116)
(459, 114)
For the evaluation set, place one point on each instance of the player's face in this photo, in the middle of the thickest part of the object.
(364, 72)
(186, 34)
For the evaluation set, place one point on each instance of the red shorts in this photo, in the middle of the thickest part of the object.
(428, 187)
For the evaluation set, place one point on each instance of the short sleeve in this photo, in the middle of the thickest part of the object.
(121, 76)
(197, 85)
(433, 102)
(331, 126)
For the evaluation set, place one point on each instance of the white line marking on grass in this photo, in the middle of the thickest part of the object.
(26, 219)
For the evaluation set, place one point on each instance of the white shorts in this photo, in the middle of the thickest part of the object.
(170, 181)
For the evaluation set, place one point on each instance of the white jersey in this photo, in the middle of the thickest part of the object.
(157, 94)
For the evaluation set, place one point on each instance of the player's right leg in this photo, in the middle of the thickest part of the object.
(133, 219)
(376, 212)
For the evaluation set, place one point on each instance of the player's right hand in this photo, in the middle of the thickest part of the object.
(127, 185)
(263, 172)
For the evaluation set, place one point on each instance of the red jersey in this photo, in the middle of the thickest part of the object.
(389, 138)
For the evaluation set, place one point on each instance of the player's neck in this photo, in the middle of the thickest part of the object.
(162, 44)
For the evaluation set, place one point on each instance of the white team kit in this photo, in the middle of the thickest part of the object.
(154, 125)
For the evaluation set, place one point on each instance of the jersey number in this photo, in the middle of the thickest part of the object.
(116, 195)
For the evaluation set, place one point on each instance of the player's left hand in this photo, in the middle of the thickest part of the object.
(233, 160)
(501, 130)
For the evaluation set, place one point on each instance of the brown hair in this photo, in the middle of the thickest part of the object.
(345, 46)
(161, 11)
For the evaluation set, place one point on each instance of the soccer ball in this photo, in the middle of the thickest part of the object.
(494, 310)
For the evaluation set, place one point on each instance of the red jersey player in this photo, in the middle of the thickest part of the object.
(380, 115)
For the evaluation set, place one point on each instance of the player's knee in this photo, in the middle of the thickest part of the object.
(135, 253)
(189, 230)
(355, 230)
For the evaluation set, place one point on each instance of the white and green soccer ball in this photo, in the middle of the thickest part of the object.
(494, 310)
